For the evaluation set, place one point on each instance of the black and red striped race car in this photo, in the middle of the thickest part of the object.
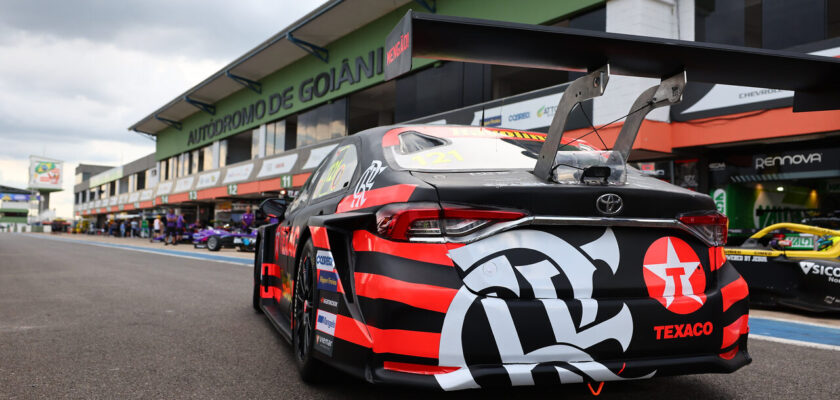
(462, 257)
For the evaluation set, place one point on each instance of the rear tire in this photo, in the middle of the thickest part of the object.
(304, 301)
(213, 243)
(258, 270)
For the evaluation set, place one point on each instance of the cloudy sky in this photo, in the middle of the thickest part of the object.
(74, 75)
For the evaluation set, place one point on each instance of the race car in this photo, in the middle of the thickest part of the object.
(791, 265)
(456, 257)
(215, 239)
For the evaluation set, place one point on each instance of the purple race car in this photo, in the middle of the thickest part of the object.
(214, 239)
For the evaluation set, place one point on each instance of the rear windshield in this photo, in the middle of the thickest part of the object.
(447, 148)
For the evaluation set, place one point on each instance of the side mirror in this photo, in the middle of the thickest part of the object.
(274, 208)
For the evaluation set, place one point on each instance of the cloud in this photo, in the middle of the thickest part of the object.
(75, 75)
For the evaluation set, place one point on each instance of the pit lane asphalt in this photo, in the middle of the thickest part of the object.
(82, 321)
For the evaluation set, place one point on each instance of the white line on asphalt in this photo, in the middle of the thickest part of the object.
(795, 342)
(795, 321)
(121, 247)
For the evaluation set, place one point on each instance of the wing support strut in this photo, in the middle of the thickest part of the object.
(581, 89)
(668, 92)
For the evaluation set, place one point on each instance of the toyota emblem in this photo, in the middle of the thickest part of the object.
(609, 204)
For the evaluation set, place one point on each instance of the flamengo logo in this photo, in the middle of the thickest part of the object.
(795, 159)
(674, 276)
(366, 183)
(489, 269)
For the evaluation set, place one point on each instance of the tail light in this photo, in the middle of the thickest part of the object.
(713, 226)
(412, 220)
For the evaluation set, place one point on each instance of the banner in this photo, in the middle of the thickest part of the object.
(45, 173)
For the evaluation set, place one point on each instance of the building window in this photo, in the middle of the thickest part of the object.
(238, 148)
(141, 180)
(223, 145)
(770, 24)
(255, 143)
(275, 137)
(195, 162)
(206, 158)
(833, 11)
(326, 122)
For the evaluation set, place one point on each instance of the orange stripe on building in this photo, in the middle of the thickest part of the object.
(211, 193)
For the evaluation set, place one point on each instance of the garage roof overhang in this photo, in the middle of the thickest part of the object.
(333, 20)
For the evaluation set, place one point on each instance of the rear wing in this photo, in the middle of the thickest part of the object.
(815, 80)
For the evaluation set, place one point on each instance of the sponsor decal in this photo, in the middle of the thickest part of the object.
(830, 271)
(324, 343)
(762, 162)
(207, 180)
(277, 165)
(547, 111)
(489, 268)
(519, 116)
(325, 322)
(674, 276)
(329, 301)
(324, 260)
(184, 184)
(238, 173)
(492, 121)
(328, 280)
(317, 155)
(719, 196)
(398, 48)
(164, 188)
(683, 330)
(649, 168)
(366, 183)
(147, 194)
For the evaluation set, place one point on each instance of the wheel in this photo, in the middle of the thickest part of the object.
(303, 313)
(258, 271)
(213, 243)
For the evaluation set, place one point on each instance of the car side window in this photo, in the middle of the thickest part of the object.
(337, 173)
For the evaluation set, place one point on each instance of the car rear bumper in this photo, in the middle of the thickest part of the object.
(556, 373)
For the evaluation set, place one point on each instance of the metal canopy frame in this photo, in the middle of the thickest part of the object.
(248, 83)
(174, 124)
(430, 5)
(208, 108)
(317, 51)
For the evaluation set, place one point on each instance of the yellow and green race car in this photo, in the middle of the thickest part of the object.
(791, 265)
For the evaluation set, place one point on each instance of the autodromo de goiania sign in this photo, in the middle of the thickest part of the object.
(311, 88)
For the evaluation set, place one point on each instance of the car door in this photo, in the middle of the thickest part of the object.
(321, 195)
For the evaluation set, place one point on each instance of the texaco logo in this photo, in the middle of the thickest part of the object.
(674, 276)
